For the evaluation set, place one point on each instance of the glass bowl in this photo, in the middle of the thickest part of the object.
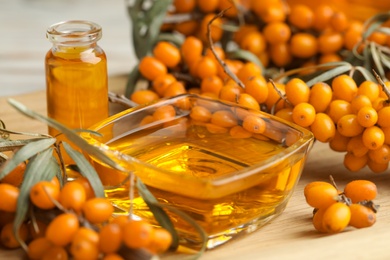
(229, 168)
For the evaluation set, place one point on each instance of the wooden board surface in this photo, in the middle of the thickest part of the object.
(291, 235)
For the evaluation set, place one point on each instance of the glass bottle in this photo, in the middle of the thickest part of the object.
(76, 76)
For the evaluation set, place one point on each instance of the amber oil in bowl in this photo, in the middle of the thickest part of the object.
(230, 185)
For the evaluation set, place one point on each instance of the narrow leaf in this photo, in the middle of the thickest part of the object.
(10, 145)
(40, 167)
(159, 213)
(70, 134)
(25, 153)
(385, 60)
(376, 59)
(366, 74)
(86, 170)
(329, 74)
(134, 76)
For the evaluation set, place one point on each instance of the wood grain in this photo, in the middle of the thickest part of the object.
(291, 235)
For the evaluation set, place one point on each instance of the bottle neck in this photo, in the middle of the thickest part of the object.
(74, 34)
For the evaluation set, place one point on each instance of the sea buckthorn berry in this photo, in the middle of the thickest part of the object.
(274, 13)
(344, 88)
(359, 102)
(72, 196)
(164, 112)
(277, 32)
(280, 54)
(380, 155)
(330, 57)
(254, 42)
(167, 53)
(55, 252)
(230, 93)
(318, 220)
(322, 15)
(304, 114)
(224, 118)
(320, 194)
(257, 87)
(254, 124)
(297, 91)
(361, 216)
(377, 167)
(386, 132)
(303, 45)
(336, 218)
(62, 229)
(38, 247)
(320, 96)
(339, 21)
(9, 197)
(184, 6)
(274, 99)
(200, 113)
(339, 108)
(248, 101)
(137, 234)
(239, 132)
(351, 38)
(373, 137)
(369, 89)
(206, 67)
(379, 103)
(367, 116)
(301, 16)
(330, 42)
(216, 129)
(110, 238)
(174, 89)
(323, 127)
(161, 241)
(356, 146)
(84, 249)
(383, 117)
(348, 125)
(15, 177)
(248, 71)
(339, 142)
(6, 217)
(186, 28)
(8, 238)
(89, 192)
(285, 113)
(144, 96)
(354, 163)
(360, 190)
(191, 49)
(43, 193)
(97, 210)
(151, 68)
(215, 28)
(212, 84)
(162, 82)
(113, 256)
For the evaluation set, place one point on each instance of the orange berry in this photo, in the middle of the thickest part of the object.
(72, 196)
(87, 187)
(165, 112)
(110, 238)
(318, 220)
(167, 53)
(280, 54)
(361, 216)
(336, 218)
(257, 87)
(8, 238)
(349, 126)
(137, 234)
(367, 116)
(15, 177)
(369, 89)
(277, 32)
(184, 6)
(344, 88)
(354, 163)
(151, 68)
(254, 124)
(43, 193)
(9, 197)
(360, 190)
(224, 118)
(200, 113)
(383, 117)
(144, 96)
(380, 155)
(330, 42)
(285, 113)
(320, 96)
(303, 114)
(301, 16)
(206, 67)
(339, 21)
(297, 91)
(323, 127)
(212, 84)
(303, 45)
(161, 241)
(322, 16)
(62, 229)
(38, 247)
(97, 210)
(248, 71)
(248, 101)
(239, 132)
(359, 102)
(55, 252)
(373, 137)
(356, 146)
(339, 108)
(320, 194)
(174, 89)
(254, 42)
(339, 142)
(191, 49)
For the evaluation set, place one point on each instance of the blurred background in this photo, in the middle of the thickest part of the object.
(23, 43)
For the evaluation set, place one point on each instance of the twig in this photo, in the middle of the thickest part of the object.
(384, 87)
(220, 61)
(282, 97)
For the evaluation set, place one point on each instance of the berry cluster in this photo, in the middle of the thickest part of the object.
(335, 210)
(69, 221)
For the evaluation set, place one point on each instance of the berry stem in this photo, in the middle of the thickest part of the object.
(383, 85)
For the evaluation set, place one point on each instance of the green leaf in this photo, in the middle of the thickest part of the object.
(10, 145)
(40, 167)
(246, 56)
(25, 153)
(146, 24)
(376, 59)
(70, 134)
(366, 74)
(134, 76)
(385, 60)
(173, 38)
(159, 213)
(86, 170)
(329, 74)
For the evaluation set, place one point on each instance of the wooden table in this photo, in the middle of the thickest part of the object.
(290, 236)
